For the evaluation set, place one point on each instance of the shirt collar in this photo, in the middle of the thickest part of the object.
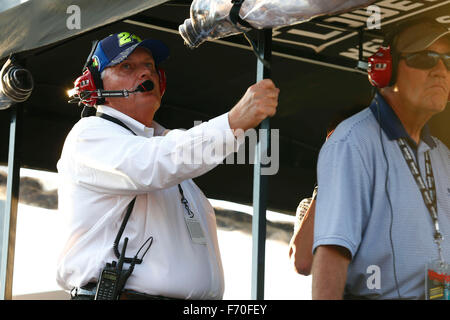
(140, 129)
(392, 126)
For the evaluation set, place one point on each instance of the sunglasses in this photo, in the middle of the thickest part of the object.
(426, 59)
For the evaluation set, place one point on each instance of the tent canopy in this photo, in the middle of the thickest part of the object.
(313, 64)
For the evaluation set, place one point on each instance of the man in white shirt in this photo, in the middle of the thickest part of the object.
(120, 154)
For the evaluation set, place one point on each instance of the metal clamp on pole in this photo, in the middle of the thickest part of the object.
(234, 14)
(236, 19)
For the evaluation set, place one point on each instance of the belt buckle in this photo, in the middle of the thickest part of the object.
(80, 291)
(73, 292)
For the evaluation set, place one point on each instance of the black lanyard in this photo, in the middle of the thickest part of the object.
(184, 202)
(429, 191)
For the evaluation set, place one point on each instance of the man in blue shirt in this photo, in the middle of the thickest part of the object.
(373, 233)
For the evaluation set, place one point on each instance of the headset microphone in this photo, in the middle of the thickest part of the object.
(84, 96)
(145, 86)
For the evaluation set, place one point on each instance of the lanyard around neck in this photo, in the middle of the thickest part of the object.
(184, 201)
(428, 191)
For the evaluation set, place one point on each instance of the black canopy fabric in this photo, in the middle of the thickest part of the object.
(314, 64)
(38, 23)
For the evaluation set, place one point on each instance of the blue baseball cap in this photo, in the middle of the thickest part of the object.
(117, 47)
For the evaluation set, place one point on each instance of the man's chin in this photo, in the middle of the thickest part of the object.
(152, 103)
(148, 96)
(437, 105)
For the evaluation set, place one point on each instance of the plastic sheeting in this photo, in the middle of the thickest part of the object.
(210, 18)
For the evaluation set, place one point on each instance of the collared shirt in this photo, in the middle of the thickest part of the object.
(369, 203)
(103, 167)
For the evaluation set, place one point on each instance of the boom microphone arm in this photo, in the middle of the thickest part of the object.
(80, 96)
(145, 86)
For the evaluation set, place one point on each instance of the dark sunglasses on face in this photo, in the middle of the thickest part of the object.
(426, 59)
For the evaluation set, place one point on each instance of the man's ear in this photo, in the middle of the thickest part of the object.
(162, 81)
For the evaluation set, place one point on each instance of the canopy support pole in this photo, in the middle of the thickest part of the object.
(9, 214)
(260, 181)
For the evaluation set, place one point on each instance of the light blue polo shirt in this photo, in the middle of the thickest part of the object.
(359, 181)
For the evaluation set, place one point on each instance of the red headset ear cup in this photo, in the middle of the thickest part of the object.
(162, 80)
(89, 81)
(380, 68)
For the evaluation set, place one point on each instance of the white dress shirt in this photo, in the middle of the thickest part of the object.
(103, 167)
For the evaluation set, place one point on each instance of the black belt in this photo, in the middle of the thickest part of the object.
(87, 292)
(349, 296)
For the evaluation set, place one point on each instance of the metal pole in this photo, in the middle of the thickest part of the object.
(10, 210)
(260, 182)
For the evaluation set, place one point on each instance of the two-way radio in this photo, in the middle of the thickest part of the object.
(112, 278)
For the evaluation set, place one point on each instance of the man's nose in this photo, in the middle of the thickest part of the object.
(144, 72)
(440, 69)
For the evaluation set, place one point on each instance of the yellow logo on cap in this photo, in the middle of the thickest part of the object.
(95, 62)
(126, 37)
